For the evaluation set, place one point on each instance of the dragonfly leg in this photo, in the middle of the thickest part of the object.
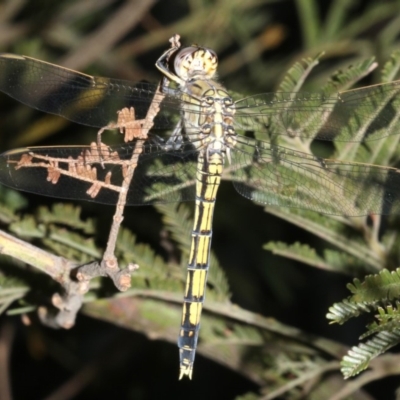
(176, 139)
(163, 67)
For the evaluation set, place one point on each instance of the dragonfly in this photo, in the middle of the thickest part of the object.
(200, 135)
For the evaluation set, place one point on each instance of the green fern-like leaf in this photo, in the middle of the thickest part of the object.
(388, 319)
(28, 228)
(356, 126)
(11, 290)
(65, 214)
(343, 311)
(71, 245)
(343, 262)
(332, 260)
(11, 202)
(129, 251)
(391, 67)
(369, 295)
(379, 287)
(297, 251)
(359, 357)
(298, 73)
(179, 222)
(388, 313)
(342, 80)
(332, 231)
(12, 199)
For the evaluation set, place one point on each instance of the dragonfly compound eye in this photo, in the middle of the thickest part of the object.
(196, 62)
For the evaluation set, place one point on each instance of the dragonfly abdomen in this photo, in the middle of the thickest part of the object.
(208, 180)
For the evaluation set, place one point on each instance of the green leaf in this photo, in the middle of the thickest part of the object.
(12, 289)
(72, 245)
(359, 357)
(345, 79)
(391, 67)
(379, 287)
(369, 295)
(343, 311)
(28, 228)
(388, 320)
(334, 261)
(66, 214)
(333, 230)
(298, 73)
(297, 251)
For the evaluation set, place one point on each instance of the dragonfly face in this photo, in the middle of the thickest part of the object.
(192, 63)
(207, 142)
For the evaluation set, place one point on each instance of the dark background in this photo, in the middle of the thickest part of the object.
(257, 41)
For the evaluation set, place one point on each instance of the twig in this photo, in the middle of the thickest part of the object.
(102, 40)
(59, 269)
(302, 379)
(133, 129)
(75, 280)
(56, 267)
(109, 260)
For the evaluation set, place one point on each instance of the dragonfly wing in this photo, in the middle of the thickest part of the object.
(164, 176)
(367, 113)
(85, 173)
(81, 98)
(279, 176)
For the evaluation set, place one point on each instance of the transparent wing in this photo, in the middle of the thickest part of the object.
(367, 113)
(87, 173)
(278, 176)
(262, 172)
(81, 98)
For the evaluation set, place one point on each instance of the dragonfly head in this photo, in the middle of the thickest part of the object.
(196, 63)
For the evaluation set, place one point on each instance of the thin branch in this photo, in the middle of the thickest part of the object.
(59, 269)
(302, 379)
(133, 129)
(56, 267)
(230, 310)
(102, 40)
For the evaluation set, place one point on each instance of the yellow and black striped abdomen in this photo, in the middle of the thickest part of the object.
(208, 179)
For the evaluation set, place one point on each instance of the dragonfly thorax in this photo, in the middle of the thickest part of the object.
(208, 113)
